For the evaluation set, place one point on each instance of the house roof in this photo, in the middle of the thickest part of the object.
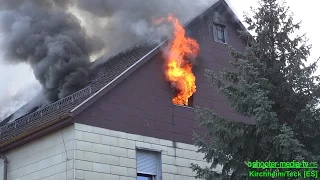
(104, 78)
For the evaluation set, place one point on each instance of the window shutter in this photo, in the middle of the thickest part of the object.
(225, 35)
(215, 33)
(147, 162)
(210, 27)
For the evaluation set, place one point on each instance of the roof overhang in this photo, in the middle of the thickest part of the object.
(58, 123)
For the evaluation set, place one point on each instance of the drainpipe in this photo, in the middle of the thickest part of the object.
(5, 163)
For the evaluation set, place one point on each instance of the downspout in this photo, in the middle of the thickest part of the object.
(5, 163)
(74, 155)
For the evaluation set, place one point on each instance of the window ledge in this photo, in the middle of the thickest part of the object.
(183, 106)
(221, 42)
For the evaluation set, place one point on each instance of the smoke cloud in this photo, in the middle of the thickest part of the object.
(51, 41)
(59, 38)
(124, 23)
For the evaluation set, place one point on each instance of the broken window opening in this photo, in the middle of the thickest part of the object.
(175, 92)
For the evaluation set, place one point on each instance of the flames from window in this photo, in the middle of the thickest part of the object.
(178, 65)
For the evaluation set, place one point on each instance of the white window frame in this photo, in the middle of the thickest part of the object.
(158, 174)
(215, 33)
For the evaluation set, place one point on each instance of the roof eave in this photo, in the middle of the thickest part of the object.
(41, 131)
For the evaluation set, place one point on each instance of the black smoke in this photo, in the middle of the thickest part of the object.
(51, 40)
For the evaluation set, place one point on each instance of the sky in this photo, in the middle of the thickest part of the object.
(20, 79)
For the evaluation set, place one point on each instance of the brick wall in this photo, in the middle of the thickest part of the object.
(47, 158)
(103, 154)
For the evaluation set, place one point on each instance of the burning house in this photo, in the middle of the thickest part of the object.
(133, 118)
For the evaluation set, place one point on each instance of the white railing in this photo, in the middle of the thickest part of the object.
(47, 109)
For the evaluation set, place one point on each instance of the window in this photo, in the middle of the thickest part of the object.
(144, 177)
(148, 165)
(190, 100)
(220, 33)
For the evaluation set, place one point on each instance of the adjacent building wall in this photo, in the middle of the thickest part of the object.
(103, 154)
(47, 158)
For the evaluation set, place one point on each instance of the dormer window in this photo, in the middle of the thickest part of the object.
(220, 33)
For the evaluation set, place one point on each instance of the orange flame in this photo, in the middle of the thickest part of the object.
(178, 69)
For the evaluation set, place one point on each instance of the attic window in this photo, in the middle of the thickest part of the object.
(190, 100)
(220, 33)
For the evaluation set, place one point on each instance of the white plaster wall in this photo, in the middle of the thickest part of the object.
(100, 154)
(47, 158)
(103, 154)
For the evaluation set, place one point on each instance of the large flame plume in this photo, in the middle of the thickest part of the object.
(178, 67)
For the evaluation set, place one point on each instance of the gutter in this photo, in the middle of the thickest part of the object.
(35, 133)
(5, 166)
(74, 155)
